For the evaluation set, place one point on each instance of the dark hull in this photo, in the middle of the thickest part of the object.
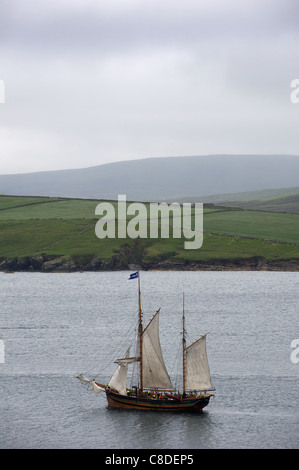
(116, 400)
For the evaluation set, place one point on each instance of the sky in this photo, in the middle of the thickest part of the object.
(88, 82)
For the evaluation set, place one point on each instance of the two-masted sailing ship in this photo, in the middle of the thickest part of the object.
(155, 391)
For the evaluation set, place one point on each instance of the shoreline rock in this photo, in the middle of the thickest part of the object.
(48, 264)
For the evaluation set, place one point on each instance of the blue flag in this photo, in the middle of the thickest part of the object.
(133, 276)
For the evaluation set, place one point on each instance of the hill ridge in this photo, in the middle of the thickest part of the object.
(160, 178)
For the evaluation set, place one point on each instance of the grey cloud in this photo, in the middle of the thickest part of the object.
(127, 79)
(146, 23)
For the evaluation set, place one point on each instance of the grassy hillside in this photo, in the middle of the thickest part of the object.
(65, 228)
(18, 208)
(286, 203)
(243, 197)
(255, 224)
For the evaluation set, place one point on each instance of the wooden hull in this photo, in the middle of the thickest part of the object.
(116, 400)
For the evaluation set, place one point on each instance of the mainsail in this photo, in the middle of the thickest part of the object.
(197, 366)
(155, 374)
(154, 371)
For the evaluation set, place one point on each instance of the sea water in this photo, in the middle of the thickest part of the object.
(55, 326)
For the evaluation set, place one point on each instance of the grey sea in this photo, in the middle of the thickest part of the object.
(55, 326)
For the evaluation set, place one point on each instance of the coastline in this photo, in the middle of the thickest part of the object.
(54, 264)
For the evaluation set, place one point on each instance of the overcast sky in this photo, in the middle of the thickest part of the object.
(89, 82)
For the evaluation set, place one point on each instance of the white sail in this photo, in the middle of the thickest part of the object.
(197, 366)
(83, 379)
(95, 388)
(155, 374)
(118, 381)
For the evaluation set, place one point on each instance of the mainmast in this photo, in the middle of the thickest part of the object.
(184, 348)
(140, 333)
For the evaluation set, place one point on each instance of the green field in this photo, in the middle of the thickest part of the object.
(264, 225)
(18, 208)
(61, 227)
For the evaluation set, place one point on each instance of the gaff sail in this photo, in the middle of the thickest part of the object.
(197, 366)
(154, 371)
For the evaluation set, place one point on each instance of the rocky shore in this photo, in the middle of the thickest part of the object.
(48, 264)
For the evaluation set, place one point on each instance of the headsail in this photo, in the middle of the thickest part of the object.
(83, 379)
(95, 387)
(119, 379)
(155, 374)
(197, 366)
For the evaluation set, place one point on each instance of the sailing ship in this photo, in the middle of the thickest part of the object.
(154, 390)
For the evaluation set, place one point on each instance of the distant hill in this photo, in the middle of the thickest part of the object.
(169, 178)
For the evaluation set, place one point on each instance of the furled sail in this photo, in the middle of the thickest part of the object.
(127, 360)
(155, 374)
(197, 366)
(118, 381)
